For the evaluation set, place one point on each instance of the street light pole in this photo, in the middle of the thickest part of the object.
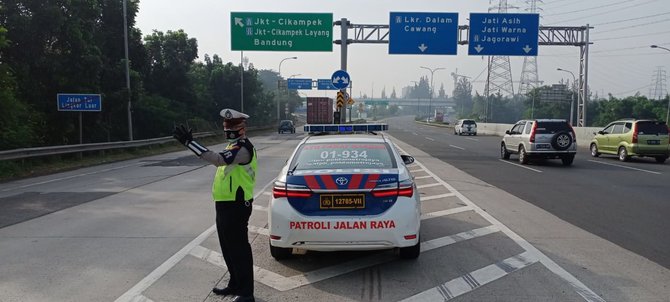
(282, 61)
(125, 36)
(667, 114)
(430, 102)
(572, 95)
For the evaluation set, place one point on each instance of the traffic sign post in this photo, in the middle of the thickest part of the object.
(340, 100)
(79, 102)
(304, 84)
(281, 31)
(423, 33)
(325, 84)
(340, 79)
(503, 34)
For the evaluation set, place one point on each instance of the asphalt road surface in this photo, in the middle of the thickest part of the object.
(142, 230)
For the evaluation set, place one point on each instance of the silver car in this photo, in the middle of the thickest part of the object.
(465, 126)
(540, 139)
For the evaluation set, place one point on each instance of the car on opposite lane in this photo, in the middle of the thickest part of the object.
(286, 125)
(465, 126)
(630, 137)
(345, 192)
(540, 139)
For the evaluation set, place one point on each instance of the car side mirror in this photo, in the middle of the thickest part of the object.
(508, 132)
(601, 132)
(407, 159)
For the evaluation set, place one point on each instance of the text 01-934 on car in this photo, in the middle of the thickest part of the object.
(345, 188)
(631, 137)
(540, 139)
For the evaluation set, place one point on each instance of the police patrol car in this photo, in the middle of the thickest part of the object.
(346, 190)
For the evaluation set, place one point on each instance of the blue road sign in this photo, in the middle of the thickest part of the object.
(299, 84)
(79, 102)
(340, 79)
(423, 33)
(503, 34)
(325, 84)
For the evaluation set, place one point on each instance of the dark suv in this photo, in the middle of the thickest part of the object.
(286, 125)
(540, 139)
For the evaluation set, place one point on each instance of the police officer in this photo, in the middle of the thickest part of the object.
(232, 192)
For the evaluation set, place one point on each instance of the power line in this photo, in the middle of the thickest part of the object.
(636, 25)
(638, 18)
(605, 12)
(585, 9)
(629, 91)
(631, 36)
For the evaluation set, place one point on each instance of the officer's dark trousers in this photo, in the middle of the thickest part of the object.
(232, 218)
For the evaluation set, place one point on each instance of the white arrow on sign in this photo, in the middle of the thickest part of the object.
(336, 80)
(238, 21)
(345, 80)
(527, 49)
(479, 48)
(423, 47)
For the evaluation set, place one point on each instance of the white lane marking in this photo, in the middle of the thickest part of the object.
(415, 133)
(267, 193)
(522, 166)
(445, 212)
(625, 167)
(70, 177)
(429, 185)
(259, 230)
(430, 139)
(427, 198)
(422, 177)
(457, 147)
(579, 287)
(414, 171)
(260, 208)
(283, 283)
(208, 255)
(162, 269)
(141, 298)
(468, 282)
(472, 139)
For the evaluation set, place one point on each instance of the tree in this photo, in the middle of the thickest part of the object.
(393, 95)
(442, 94)
(15, 121)
(384, 93)
(463, 97)
(420, 90)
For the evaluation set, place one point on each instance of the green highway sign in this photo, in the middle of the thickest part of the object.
(281, 31)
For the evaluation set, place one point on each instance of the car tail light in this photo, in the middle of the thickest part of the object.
(532, 132)
(635, 133)
(281, 189)
(410, 237)
(403, 188)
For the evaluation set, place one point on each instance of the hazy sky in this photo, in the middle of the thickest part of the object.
(620, 62)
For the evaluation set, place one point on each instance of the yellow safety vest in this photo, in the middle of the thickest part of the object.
(229, 178)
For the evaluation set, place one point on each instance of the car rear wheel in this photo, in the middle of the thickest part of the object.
(594, 150)
(410, 252)
(561, 141)
(661, 159)
(623, 154)
(280, 253)
(523, 156)
(504, 154)
(568, 159)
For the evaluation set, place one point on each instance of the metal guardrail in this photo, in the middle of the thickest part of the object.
(58, 150)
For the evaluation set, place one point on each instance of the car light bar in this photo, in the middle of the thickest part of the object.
(348, 128)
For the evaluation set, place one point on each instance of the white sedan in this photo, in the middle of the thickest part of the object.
(345, 192)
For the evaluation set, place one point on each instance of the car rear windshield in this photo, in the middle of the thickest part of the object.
(469, 123)
(286, 123)
(344, 156)
(652, 128)
(551, 127)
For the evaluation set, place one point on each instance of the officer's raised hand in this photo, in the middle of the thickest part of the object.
(182, 134)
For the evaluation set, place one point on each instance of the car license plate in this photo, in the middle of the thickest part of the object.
(542, 146)
(342, 201)
(653, 142)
